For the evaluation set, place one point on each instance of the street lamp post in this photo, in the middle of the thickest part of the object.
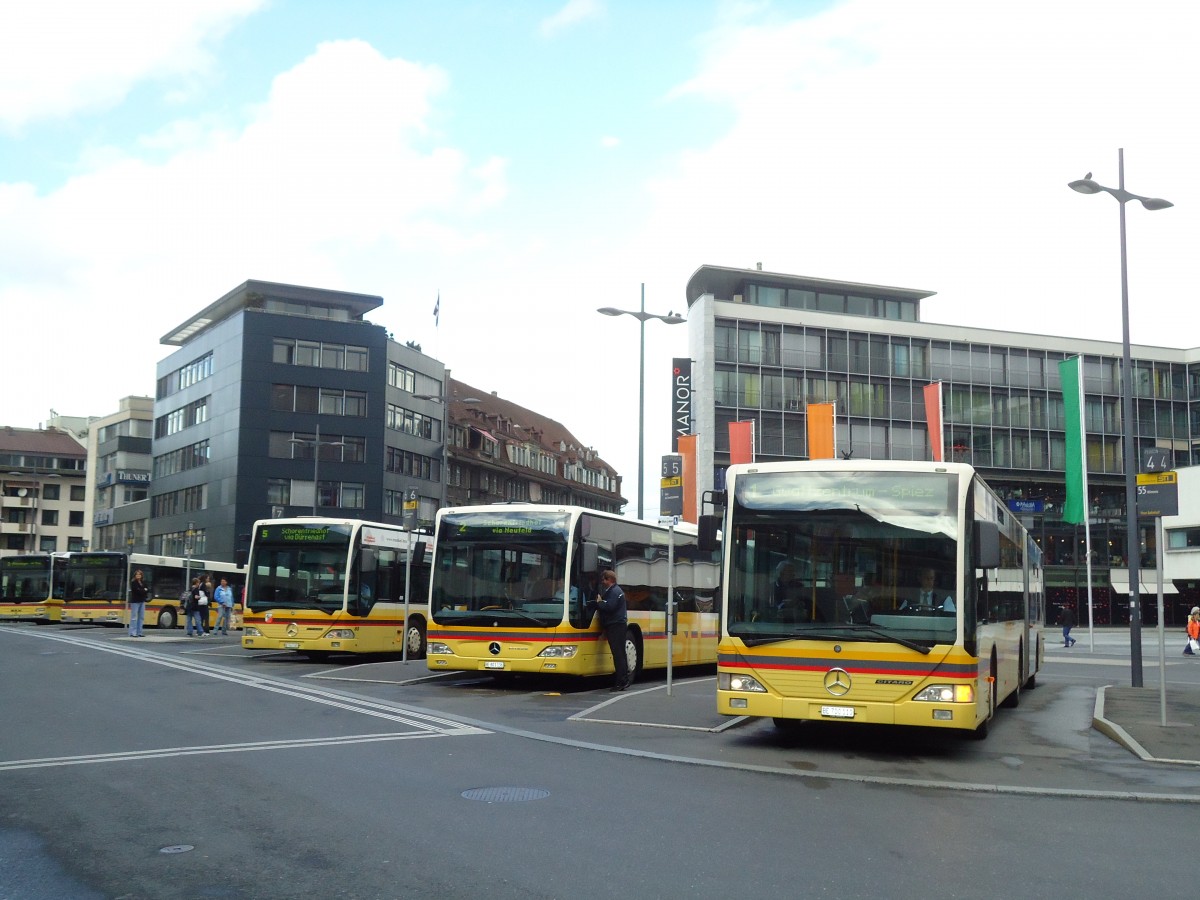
(641, 315)
(316, 444)
(1132, 545)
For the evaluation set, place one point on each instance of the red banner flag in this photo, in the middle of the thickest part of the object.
(741, 442)
(933, 418)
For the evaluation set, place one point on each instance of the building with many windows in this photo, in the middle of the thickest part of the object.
(765, 345)
(284, 400)
(118, 476)
(500, 451)
(42, 491)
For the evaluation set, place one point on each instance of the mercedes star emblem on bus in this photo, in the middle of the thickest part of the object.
(837, 682)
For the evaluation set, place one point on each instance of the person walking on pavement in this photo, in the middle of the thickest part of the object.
(1067, 617)
(614, 622)
(1193, 632)
(224, 598)
(138, 595)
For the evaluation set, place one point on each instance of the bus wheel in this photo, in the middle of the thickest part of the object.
(414, 635)
(633, 655)
(167, 618)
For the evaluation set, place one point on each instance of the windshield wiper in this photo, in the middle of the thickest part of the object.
(755, 640)
(760, 639)
(896, 639)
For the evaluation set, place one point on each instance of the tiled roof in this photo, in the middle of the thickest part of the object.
(50, 442)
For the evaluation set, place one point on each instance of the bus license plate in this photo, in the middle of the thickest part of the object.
(838, 712)
(493, 664)
(291, 645)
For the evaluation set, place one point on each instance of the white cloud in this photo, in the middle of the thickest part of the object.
(336, 178)
(569, 16)
(928, 145)
(59, 57)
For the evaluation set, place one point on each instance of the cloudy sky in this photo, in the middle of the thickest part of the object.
(533, 161)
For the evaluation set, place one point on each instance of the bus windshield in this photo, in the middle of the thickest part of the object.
(25, 577)
(92, 576)
(501, 569)
(299, 567)
(863, 555)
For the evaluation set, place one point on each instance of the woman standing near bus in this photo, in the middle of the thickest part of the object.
(138, 594)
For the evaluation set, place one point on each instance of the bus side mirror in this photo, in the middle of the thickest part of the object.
(591, 558)
(241, 557)
(707, 529)
(418, 551)
(987, 545)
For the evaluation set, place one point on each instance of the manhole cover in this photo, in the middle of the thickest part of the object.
(505, 794)
(177, 848)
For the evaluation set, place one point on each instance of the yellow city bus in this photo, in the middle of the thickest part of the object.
(94, 586)
(319, 586)
(510, 581)
(26, 593)
(166, 577)
(91, 585)
(824, 616)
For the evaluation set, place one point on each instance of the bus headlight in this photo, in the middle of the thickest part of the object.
(250, 631)
(947, 693)
(340, 634)
(730, 681)
(560, 651)
(438, 647)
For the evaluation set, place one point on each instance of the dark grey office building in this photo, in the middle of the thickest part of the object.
(283, 400)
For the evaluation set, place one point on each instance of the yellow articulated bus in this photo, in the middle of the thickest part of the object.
(95, 585)
(166, 577)
(92, 586)
(319, 586)
(26, 593)
(510, 582)
(897, 593)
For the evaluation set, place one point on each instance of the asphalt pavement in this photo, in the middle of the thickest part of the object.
(1136, 718)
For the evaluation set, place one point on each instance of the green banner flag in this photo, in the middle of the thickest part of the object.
(1070, 372)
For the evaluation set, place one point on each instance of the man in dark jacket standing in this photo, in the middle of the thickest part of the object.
(614, 621)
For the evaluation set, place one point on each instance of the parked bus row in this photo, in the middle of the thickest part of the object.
(900, 593)
(91, 587)
(843, 591)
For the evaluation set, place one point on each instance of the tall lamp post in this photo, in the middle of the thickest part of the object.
(1132, 545)
(641, 315)
(316, 444)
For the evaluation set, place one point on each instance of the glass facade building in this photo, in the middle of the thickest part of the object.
(765, 345)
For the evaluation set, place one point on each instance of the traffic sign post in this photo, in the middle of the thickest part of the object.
(1158, 496)
(670, 498)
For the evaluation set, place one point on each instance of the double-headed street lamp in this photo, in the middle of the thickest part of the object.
(641, 315)
(316, 444)
(1132, 545)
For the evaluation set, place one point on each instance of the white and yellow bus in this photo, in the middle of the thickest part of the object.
(93, 586)
(824, 617)
(26, 592)
(319, 586)
(510, 581)
(166, 577)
